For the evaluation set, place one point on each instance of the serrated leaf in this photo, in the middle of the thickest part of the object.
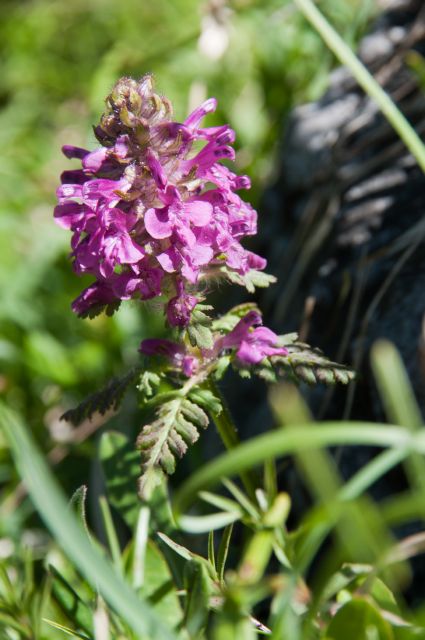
(250, 280)
(110, 397)
(199, 329)
(121, 466)
(221, 367)
(149, 381)
(307, 364)
(167, 437)
(265, 371)
(206, 399)
(194, 413)
(200, 336)
(286, 339)
(229, 320)
(96, 309)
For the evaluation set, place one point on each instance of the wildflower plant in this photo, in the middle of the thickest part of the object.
(156, 214)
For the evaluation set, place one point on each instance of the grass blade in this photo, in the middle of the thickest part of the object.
(400, 404)
(52, 507)
(345, 55)
(223, 551)
(289, 441)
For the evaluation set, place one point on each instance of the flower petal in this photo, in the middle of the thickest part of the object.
(198, 212)
(74, 152)
(157, 223)
(169, 260)
(209, 106)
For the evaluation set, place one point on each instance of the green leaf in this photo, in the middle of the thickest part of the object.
(198, 592)
(78, 503)
(70, 602)
(202, 524)
(176, 426)
(229, 320)
(211, 549)
(199, 329)
(158, 587)
(47, 357)
(188, 555)
(250, 280)
(49, 500)
(108, 398)
(66, 630)
(359, 620)
(299, 438)
(307, 364)
(121, 468)
(200, 336)
(221, 367)
(149, 382)
(207, 400)
(223, 551)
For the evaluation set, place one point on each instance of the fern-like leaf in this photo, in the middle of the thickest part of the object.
(199, 329)
(175, 427)
(228, 321)
(96, 309)
(110, 397)
(308, 364)
(251, 280)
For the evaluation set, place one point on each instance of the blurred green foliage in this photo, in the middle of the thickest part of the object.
(59, 59)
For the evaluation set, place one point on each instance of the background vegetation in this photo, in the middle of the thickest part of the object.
(60, 59)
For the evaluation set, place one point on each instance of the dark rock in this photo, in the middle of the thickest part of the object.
(347, 224)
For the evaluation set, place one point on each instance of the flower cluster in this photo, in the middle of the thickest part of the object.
(150, 214)
(248, 340)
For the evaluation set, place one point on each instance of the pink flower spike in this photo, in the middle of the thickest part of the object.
(152, 207)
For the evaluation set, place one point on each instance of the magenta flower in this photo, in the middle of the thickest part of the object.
(149, 217)
(175, 353)
(250, 341)
(252, 344)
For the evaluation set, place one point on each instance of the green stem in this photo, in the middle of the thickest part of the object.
(345, 55)
(229, 435)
